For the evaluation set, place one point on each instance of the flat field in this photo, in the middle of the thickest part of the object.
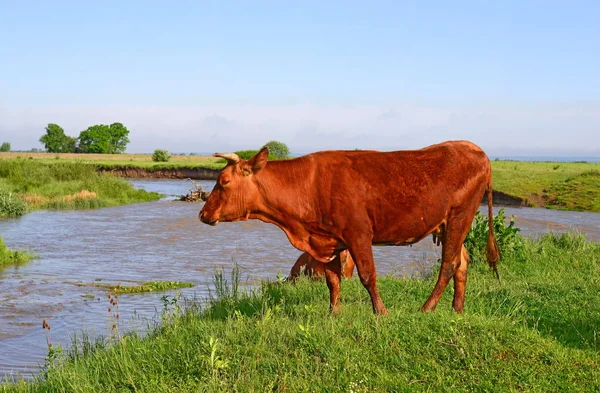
(120, 160)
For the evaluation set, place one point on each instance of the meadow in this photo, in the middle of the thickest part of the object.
(536, 330)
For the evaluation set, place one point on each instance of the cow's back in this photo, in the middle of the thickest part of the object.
(403, 194)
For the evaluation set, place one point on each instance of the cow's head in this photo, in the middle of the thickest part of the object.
(236, 193)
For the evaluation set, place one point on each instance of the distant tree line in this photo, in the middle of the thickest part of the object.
(5, 146)
(100, 138)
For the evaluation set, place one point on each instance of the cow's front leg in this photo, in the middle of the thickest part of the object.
(333, 274)
(362, 253)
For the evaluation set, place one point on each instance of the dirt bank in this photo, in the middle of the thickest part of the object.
(502, 199)
(165, 173)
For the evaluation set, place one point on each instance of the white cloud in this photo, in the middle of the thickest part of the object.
(570, 129)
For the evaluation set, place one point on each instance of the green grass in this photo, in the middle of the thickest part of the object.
(63, 186)
(537, 330)
(539, 182)
(580, 192)
(10, 257)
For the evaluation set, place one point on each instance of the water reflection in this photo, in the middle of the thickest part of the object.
(160, 240)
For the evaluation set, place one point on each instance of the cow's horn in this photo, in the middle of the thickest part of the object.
(231, 157)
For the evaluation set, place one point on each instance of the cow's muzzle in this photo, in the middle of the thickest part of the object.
(203, 217)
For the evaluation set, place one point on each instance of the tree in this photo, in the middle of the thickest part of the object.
(278, 149)
(5, 146)
(104, 139)
(95, 139)
(118, 138)
(56, 141)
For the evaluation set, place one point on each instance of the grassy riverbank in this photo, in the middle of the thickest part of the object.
(557, 185)
(27, 185)
(538, 330)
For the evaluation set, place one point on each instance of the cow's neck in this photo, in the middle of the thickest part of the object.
(286, 188)
(287, 198)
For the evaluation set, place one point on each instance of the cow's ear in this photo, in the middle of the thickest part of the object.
(259, 160)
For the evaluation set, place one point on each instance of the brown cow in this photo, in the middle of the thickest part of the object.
(342, 265)
(335, 200)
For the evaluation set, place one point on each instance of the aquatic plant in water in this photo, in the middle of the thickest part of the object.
(149, 286)
(12, 257)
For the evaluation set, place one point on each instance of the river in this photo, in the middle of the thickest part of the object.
(160, 240)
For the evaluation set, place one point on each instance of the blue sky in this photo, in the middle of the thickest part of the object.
(516, 77)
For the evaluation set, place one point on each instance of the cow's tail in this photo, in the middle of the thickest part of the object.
(493, 252)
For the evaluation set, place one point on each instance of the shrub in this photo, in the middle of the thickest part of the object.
(5, 147)
(278, 149)
(160, 155)
(11, 205)
(246, 154)
(507, 235)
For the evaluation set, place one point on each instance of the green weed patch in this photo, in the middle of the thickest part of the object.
(10, 257)
(150, 286)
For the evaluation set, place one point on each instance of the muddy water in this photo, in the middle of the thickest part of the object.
(160, 240)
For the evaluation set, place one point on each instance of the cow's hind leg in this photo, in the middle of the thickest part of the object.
(333, 274)
(452, 244)
(450, 262)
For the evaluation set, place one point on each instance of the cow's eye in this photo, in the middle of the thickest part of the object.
(224, 182)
